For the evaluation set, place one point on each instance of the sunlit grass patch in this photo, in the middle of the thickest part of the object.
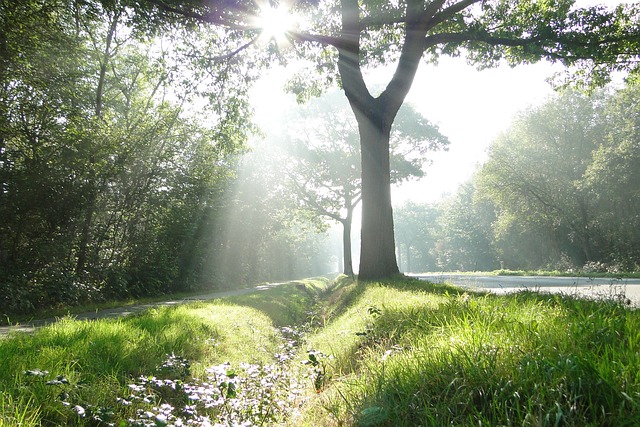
(401, 353)
(17, 413)
(472, 359)
(286, 304)
(78, 372)
(345, 338)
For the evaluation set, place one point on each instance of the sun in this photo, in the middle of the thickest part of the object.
(275, 22)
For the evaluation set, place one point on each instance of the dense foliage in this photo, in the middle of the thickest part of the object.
(560, 190)
(117, 146)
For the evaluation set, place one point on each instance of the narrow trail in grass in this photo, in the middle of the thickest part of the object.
(124, 311)
(249, 391)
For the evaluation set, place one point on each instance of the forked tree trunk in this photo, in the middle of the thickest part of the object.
(375, 117)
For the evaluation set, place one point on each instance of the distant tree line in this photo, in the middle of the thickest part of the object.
(560, 190)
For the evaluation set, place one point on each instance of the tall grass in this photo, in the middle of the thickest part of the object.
(397, 353)
(408, 354)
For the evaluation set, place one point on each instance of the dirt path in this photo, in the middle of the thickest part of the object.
(30, 326)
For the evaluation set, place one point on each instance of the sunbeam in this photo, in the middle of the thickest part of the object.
(275, 22)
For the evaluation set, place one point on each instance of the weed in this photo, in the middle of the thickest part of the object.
(318, 369)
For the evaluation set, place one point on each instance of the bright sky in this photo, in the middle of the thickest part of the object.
(471, 107)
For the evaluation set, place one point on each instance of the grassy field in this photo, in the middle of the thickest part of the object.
(397, 353)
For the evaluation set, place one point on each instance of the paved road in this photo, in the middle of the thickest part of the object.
(125, 311)
(583, 286)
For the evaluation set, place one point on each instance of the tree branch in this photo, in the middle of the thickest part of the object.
(353, 82)
(397, 89)
(337, 42)
(381, 20)
(538, 42)
(431, 18)
(236, 51)
(211, 18)
(436, 39)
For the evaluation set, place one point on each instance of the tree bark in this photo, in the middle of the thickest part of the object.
(346, 244)
(377, 252)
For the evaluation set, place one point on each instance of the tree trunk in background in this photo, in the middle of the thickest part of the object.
(93, 197)
(346, 243)
(408, 260)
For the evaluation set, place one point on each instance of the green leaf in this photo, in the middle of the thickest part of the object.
(231, 390)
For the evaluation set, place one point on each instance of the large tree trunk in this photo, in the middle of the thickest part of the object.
(377, 251)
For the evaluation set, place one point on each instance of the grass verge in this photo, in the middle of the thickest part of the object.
(406, 353)
(401, 352)
(550, 273)
(187, 364)
(54, 312)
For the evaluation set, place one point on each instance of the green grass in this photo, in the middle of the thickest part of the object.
(16, 318)
(577, 273)
(401, 352)
(74, 368)
(409, 354)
